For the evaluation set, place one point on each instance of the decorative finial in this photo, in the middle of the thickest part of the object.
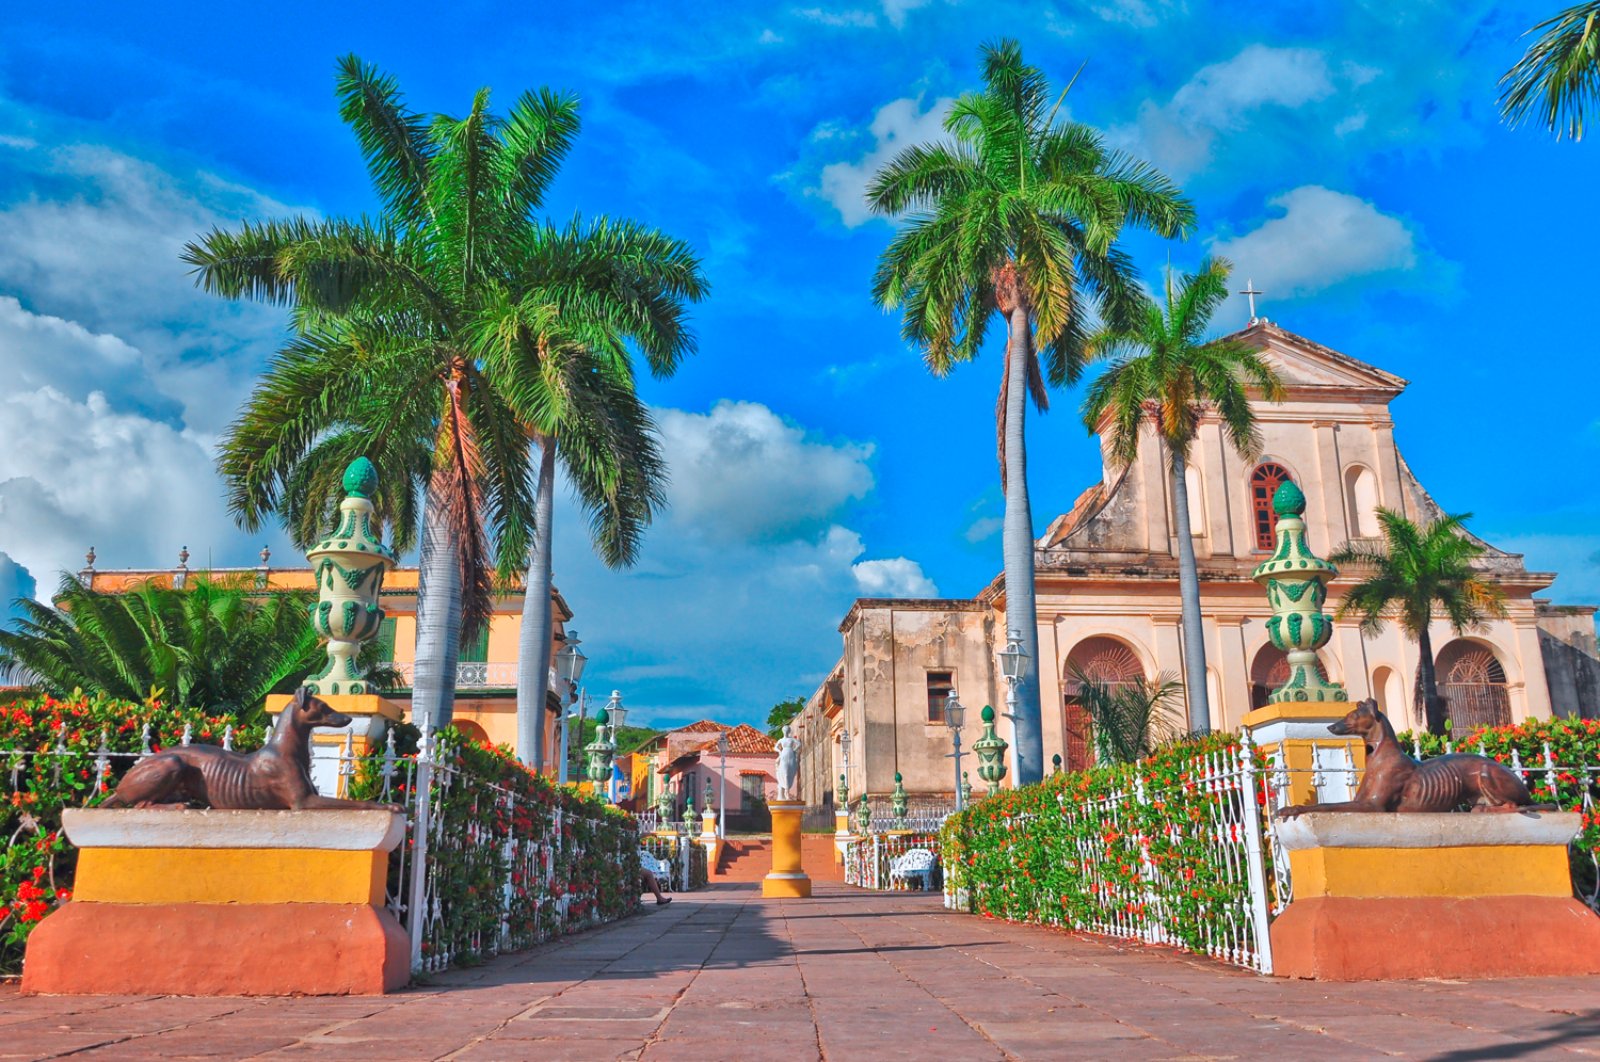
(991, 750)
(360, 479)
(1297, 587)
(183, 558)
(1288, 499)
(266, 555)
(88, 559)
(349, 564)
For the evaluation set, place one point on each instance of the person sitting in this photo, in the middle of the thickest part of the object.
(651, 882)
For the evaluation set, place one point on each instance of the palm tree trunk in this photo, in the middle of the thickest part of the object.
(533, 644)
(1432, 708)
(1194, 635)
(433, 683)
(1022, 615)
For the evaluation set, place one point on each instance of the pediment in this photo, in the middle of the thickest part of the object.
(1304, 363)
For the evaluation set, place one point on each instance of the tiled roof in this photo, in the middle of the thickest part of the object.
(699, 726)
(744, 740)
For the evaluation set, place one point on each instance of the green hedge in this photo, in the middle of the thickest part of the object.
(37, 865)
(1018, 856)
(489, 824)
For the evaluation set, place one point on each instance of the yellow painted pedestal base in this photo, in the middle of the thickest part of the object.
(788, 879)
(1393, 896)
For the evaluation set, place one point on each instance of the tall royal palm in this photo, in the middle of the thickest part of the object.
(1165, 372)
(442, 343)
(1409, 575)
(1559, 75)
(1016, 214)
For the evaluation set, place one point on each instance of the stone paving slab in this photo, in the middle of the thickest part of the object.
(724, 974)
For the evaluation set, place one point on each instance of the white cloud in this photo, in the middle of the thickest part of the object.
(742, 472)
(852, 18)
(984, 527)
(115, 372)
(896, 10)
(897, 125)
(1142, 14)
(1222, 98)
(894, 577)
(1324, 237)
(752, 567)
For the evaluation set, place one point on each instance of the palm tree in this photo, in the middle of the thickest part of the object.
(1016, 215)
(561, 334)
(443, 343)
(216, 644)
(1128, 720)
(1559, 75)
(1163, 370)
(1412, 572)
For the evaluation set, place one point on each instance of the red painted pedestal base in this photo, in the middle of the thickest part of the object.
(1340, 938)
(186, 949)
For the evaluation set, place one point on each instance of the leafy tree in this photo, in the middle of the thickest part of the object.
(1129, 720)
(215, 645)
(1017, 214)
(445, 340)
(1165, 372)
(1409, 574)
(782, 714)
(1559, 75)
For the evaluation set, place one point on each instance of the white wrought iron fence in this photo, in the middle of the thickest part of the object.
(869, 859)
(483, 869)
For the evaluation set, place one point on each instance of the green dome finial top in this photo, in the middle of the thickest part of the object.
(1288, 500)
(988, 713)
(360, 478)
(897, 778)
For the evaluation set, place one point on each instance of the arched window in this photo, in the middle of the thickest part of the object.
(1361, 498)
(1269, 671)
(1106, 662)
(1473, 684)
(1264, 482)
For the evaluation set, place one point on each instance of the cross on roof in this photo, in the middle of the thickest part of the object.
(1250, 290)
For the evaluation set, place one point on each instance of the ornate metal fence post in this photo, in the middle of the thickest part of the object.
(421, 808)
(1254, 863)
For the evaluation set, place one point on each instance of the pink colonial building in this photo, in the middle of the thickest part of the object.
(684, 762)
(1107, 586)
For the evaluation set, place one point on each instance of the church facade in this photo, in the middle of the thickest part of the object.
(1107, 586)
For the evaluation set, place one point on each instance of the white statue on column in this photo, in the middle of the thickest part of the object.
(788, 765)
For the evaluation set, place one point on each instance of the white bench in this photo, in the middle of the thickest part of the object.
(918, 863)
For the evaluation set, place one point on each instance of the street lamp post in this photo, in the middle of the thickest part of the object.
(722, 784)
(844, 752)
(955, 714)
(570, 661)
(615, 713)
(1013, 664)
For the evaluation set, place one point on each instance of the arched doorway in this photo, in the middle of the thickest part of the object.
(1264, 483)
(1473, 684)
(1104, 661)
(1268, 671)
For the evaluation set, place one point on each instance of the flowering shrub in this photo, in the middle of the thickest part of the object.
(1051, 853)
(512, 858)
(49, 749)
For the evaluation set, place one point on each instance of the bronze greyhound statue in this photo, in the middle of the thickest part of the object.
(276, 777)
(1394, 781)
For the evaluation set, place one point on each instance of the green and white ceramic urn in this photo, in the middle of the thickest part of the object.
(1297, 587)
(349, 565)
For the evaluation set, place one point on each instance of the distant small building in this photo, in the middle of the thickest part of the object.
(684, 761)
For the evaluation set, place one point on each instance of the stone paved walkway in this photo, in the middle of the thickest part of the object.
(846, 975)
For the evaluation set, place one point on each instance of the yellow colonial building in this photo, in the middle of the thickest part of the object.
(486, 672)
(1107, 585)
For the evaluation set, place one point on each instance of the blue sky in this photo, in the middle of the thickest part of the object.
(1348, 156)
